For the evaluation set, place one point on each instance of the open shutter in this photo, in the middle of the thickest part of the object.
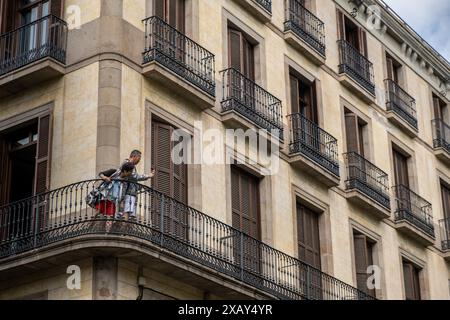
(235, 49)
(4, 172)
(362, 35)
(56, 8)
(437, 108)
(295, 105)
(42, 175)
(390, 68)
(408, 271)
(159, 8)
(446, 201)
(401, 169)
(352, 134)
(340, 24)
(361, 262)
(161, 157)
(416, 283)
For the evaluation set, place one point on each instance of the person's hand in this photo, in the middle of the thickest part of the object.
(152, 173)
(106, 179)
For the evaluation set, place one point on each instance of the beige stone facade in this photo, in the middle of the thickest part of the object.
(102, 106)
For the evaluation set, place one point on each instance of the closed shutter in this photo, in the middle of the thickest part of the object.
(411, 281)
(352, 133)
(159, 8)
(340, 24)
(363, 259)
(401, 169)
(56, 8)
(308, 236)
(42, 180)
(446, 201)
(172, 12)
(241, 54)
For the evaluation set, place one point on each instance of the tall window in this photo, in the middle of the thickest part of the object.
(308, 237)
(351, 33)
(394, 69)
(363, 259)
(445, 190)
(241, 53)
(303, 98)
(172, 12)
(401, 169)
(411, 274)
(354, 129)
(439, 108)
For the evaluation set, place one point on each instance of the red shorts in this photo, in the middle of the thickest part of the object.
(106, 207)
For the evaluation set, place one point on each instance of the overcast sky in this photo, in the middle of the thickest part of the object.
(429, 18)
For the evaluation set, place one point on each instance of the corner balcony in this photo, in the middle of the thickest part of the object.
(401, 108)
(32, 54)
(304, 31)
(367, 185)
(445, 237)
(356, 72)
(313, 150)
(413, 215)
(177, 238)
(246, 104)
(261, 9)
(176, 61)
(441, 140)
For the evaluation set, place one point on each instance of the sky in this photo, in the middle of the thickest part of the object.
(429, 18)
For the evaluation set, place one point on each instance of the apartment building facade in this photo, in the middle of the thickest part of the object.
(361, 193)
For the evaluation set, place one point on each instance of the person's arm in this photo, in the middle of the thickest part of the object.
(144, 177)
(106, 175)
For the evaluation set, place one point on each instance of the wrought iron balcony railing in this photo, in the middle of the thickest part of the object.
(266, 4)
(358, 67)
(310, 140)
(43, 38)
(445, 233)
(183, 56)
(245, 97)
(64, 214)
(441, 134)
(367, 178)
(399, 101)
(413, 208)
(305, 25)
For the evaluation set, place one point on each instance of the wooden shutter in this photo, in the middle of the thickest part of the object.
(56, 8)
(446, 201)
(295, 103)
(390, 68)
(340, 24)
(158, 8)
(437, 108)
(401, 169)
(352, 133)
(363, 258)
(235, 49)
(308, 236)
(43, 162)
(248, 63)
(412, 281)
(362, 41)
(5, 170)
(245, 202)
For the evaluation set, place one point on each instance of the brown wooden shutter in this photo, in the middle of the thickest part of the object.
(235, 49)
(390, 68)
(308, 236)
(43, 162)
(159, 8)
(340, 24)
(56, 8)
(446, 201)
(248, 66)
(4, 172)
(412, 281)
(362, 35)
(352, 133)
(437, 108)
(361, 262)
(295, 106)
(401, 169)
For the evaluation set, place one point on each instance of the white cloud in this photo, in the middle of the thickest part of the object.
(430, 18)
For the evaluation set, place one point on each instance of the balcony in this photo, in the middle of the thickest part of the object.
(356, 71)
(313, 150)
(304, 31)
(367, 185)
(179, 63)
(445, 237)
(401, 108)
(32, 54)
(245, 104)
(261, 9)
(37, 225)
(441, 140)
(413, 215)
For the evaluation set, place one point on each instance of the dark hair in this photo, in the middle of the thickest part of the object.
(127, 167)
(135, 153)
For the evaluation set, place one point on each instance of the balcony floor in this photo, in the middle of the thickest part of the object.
(365, 202)
(412, 231)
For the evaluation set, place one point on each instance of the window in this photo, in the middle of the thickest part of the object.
(445, 191)
(411, 275)
(439, 108)
(241, 53)
(394, 69)
(308, 239)
(354, 129)
(351, 33)
(303, 98)
(401, 169)
(363, 247)
(172, 12)
(246, 217)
